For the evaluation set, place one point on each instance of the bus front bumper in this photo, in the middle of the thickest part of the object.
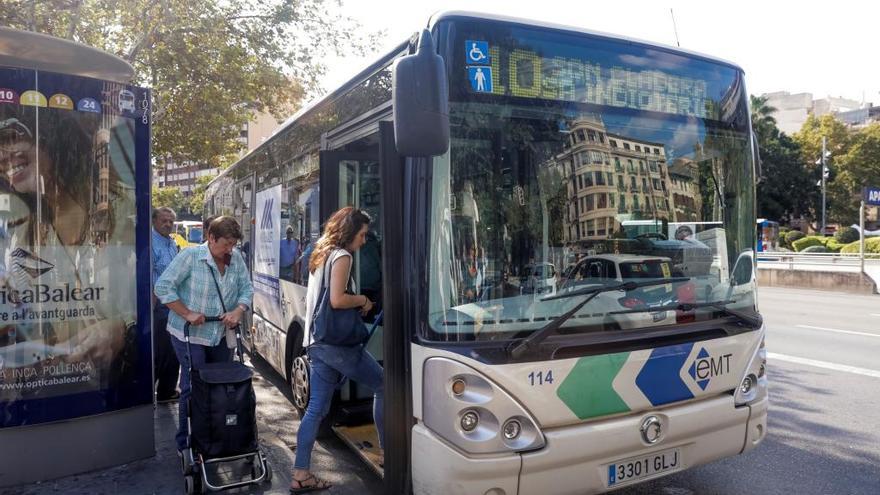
(576, 458)
(438, 469)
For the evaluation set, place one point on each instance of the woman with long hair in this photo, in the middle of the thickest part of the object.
(330, 266)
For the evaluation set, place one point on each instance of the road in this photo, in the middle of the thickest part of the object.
(825, 404)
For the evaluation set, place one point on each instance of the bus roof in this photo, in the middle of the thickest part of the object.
(457, 14)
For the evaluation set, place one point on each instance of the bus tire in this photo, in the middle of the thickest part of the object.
(299, 383)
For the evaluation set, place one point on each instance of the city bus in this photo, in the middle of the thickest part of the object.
(483, 146)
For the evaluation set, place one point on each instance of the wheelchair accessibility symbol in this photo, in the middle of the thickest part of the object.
(477, 52)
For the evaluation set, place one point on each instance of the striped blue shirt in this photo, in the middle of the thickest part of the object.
(188, 279)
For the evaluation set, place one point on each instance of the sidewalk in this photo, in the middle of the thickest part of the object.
(160, 475)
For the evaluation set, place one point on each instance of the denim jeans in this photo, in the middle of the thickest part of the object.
(330, 365)
(200, 354)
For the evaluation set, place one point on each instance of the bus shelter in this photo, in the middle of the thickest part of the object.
(75, 340)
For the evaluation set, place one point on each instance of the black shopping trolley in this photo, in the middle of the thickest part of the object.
(221, 422)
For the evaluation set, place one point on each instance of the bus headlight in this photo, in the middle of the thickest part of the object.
(469, 421)
(473, 413)
(753, 386)
(511, 429)
(746, 387)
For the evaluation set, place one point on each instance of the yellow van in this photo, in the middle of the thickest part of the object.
(187, 233)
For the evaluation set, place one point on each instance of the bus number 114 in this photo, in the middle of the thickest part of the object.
(540, 377)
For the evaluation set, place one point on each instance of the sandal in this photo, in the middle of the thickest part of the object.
(316, 485)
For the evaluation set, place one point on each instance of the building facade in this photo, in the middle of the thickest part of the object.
(613, 178)
(185, 175)
(792, 110)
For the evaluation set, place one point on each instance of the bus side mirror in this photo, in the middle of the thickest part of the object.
(420, 95)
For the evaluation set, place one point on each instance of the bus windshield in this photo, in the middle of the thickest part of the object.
(577, 161)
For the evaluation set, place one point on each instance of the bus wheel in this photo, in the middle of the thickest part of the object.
(299, 384)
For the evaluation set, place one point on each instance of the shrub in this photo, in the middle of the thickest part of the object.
(833, 245)
(813, 240)
(792, 236)
(815, 249)
(872, 245)
(846, 235)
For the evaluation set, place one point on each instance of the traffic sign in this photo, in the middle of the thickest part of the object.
(871, 196)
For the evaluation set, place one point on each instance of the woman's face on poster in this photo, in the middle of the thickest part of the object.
(19, 156)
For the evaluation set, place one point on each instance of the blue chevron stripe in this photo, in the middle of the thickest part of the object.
(659, 378)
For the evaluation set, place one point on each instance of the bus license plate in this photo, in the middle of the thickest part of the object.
(643, 467)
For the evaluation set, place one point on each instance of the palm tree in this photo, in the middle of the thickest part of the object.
(763, 122)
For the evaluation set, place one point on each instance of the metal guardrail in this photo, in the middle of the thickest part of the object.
(803, 260)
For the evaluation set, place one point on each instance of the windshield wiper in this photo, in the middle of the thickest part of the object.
(520, 347)
(754, 320)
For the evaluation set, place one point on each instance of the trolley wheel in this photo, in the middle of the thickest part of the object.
(189, 484)
(255, 471)
(187, 461)
(299, 383)
(268, 478)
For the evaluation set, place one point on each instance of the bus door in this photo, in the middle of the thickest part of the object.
(350, 177)
(243, 205)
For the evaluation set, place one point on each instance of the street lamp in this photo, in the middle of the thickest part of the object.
(825, 173)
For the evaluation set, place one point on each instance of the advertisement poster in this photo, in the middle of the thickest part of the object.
(268, 232)
(74, 180)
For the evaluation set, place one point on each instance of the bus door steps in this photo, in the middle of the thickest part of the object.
(364, 441)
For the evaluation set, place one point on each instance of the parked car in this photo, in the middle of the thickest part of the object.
(604, 269)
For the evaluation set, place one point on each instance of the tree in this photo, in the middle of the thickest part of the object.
(859, 167)
(763, 122)
(170, 197)
(837, 143)
(837, 138)
(197, 199)
(210, 63)
(787, 191)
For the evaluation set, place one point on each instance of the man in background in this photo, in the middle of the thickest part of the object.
(163, 249)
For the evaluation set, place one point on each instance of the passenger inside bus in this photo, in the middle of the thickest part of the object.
(288, 254)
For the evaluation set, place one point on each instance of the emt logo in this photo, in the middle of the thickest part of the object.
(706, 367)
(266, 221)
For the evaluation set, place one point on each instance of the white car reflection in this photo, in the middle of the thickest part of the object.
(505, 315)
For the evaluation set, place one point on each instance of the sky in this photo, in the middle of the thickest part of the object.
(827, 49)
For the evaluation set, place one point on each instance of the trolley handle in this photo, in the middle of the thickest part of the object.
(208, 319)
(238, 343)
